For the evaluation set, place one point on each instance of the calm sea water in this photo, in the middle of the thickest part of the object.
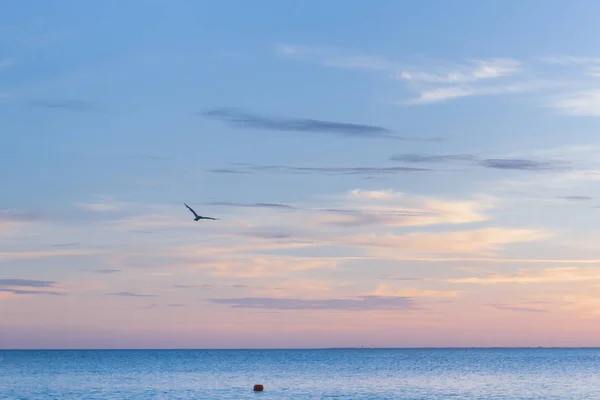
(301, 374)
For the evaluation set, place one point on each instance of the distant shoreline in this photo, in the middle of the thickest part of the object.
(313, 349)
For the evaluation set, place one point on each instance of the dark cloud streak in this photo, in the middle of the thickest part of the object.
(330, 170)
(492, 163)
(424, 158)
(247, 120)
(227, 171)
(26, 292)
(520, 164)
(130, 294)
(27, 283)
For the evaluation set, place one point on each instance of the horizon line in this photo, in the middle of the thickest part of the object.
(317, 348)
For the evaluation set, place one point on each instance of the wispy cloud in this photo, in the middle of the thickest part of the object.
(335, 58)
(266, 234)
(441, 94)
(130, 294)
(548, 275)
(330, 170)
(305, 288)
(389, 290)
(27, 283)
(241, 119)
(227, 171)
(438, 95)
(575, 198)
(373, 217)
(363, 303)
(551, 78)
(521, 164)
(20, 215)
(255, 205)
(433, 158)
(374, 208)
(594, 71)
(493, 163)
(430, 81)
(478, 241)
(327, 227)
(31, 292)
(341, 170)
(179, 286)
(566, 60)
(391, 208)
(23, 286)
(65, 244)
(70, 105)
(247, 120)
(572, 167)
(504, 307)
(14, 222)
(582, 96)
(260, 243)
(108, 206)
(582, 104)
(472, 71)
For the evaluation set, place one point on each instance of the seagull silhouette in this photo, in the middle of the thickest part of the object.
(198, 217)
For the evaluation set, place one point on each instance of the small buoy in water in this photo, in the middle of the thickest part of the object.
(259, 388)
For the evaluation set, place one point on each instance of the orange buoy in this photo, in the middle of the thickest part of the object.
(259, 388)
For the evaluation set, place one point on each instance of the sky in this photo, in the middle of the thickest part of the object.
(384, 174)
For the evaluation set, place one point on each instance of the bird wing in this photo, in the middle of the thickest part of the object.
(190, 208)
(214, 219)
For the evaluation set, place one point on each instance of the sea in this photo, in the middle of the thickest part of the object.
(424, 374)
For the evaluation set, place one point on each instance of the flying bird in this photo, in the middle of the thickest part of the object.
(198, 217)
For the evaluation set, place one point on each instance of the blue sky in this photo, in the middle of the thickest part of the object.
(427, 167)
